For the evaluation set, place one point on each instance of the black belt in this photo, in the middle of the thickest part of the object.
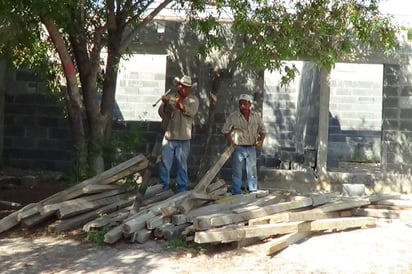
(246, 145)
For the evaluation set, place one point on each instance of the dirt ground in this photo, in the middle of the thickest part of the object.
(384, 249)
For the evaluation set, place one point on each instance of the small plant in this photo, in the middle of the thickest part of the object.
(185, 247)
(96, 236)
(78, 171)
(123, 145)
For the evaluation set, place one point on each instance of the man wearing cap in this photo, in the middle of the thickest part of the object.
(177, 111)
(245, 129)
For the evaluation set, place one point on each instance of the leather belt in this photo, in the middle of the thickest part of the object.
(246, 145)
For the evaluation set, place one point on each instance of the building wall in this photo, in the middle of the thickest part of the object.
(397, 120)
(37, 135)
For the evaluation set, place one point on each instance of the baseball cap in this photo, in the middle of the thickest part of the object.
(245, 97)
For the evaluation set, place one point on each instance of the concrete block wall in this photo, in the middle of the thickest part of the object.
(397, 119)
(36, 134)
(355, 113)
(290, 114)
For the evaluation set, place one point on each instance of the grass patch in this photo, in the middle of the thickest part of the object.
(96, 236)
(185, 248)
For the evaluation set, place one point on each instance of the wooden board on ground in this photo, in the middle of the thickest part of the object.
(190, 203)
(216, 220)
(239, 233)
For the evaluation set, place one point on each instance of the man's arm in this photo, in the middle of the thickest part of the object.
(261, 138)
(229, 139)
(161, 110)
(262, 133)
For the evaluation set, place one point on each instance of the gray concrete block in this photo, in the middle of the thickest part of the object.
(353, 190)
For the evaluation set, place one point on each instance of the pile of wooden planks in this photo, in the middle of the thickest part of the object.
(206, 214)
(82, 202)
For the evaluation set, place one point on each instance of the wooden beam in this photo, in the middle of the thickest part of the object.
(80, 220)
(106, 177)
(396, 203)
(191, 202)
(106, 220)
(50, 208)
(216, 220)
(239, 233)
(377, 213)
(284, 241)
(11, 220)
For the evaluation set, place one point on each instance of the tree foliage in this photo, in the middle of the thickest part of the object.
(322, 31)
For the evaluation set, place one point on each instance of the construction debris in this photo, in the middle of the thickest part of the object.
(206, 214)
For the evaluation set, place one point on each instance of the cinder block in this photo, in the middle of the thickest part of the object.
(353, 190)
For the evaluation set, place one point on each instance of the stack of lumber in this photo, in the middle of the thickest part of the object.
(205, 214)
(84, 201)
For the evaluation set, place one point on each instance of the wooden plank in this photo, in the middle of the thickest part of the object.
(106, 220)
(33, 210)
(11, 220)
(216, 220)
(62, 206)
(339, 224)
(157, 221)
(284, 241)
(236, 234)
(106, 177)
(83, 207)
(225, 205)
(36, 219)
(137, 223)
(169, 211)
(80, 220)
(171, 232)
(138, 220)
(153, 190)
(270, 219)
(147, 202)
(188, 204)
(169, 202)
(114, 234)
(216, 185)
(342, 205)
(91, 189)
(212, 172)
(377, 213)
(232, 234)
(158, 232)
(141, 236)
(396, 203)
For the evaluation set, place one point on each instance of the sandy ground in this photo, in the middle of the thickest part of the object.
(384, 249)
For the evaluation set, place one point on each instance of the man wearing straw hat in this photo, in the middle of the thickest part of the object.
(177, 111)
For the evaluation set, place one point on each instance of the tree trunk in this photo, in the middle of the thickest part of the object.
(77, 128)
(204, 161)
(108, 98)
(71, 93)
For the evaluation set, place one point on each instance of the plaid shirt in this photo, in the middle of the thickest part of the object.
(244, 132)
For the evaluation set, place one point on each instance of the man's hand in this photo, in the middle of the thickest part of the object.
(165, 98)
(259, 144)
(179, 103)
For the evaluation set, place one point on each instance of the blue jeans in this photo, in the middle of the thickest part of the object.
(241, 155)
(174, 150)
